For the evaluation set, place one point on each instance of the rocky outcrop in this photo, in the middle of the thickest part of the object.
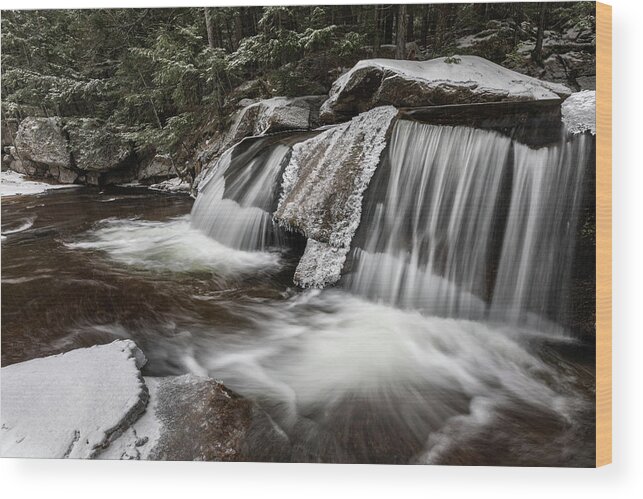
(94, 403)
(452, 80)
(275, 115)
(73, 150)
(259, 117)
(8, 132)
(159, 168)
(322, 191)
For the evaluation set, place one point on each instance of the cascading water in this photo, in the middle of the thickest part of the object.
(429, 221)
(464, 234)
(442, 202)
(236, 201)
(534, 268)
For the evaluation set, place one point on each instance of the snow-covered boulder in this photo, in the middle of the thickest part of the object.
(579, 112)
(322, 191)
(73, 404)
(43, 140)
(454, 80)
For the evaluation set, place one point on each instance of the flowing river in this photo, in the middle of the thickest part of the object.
(413, 358)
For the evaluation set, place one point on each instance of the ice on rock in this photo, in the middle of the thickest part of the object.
(322, 190)
(71, 405)
(579, 112)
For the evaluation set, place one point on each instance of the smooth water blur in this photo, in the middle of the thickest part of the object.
(468, 223)
(236, 201)
(347, 379)
(428, 223)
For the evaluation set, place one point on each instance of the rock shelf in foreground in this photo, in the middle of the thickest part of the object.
(94, 403)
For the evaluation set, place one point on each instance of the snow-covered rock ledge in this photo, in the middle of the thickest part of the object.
(71, 405)
(95, 403)
(454, 80)
(17, 184)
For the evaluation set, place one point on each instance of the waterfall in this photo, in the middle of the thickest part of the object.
(236, 200)
(456, 221)
(430, 220)
(463, 222)
(533, 273)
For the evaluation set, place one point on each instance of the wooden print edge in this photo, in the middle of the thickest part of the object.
(603, 234)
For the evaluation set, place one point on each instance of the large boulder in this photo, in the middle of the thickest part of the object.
(442, 81)
(43, 140)
(73, 150)
(96, 148)
(190, 418)
(259, 117)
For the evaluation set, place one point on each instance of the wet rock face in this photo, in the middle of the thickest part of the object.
(72, 150)
(200, 419)
(442, 81)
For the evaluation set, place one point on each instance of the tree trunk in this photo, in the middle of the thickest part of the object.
(209, 26)
(424, 32)
(410, 28)
(400, 49)
(388, 24)
(376, 30)
(537, 53)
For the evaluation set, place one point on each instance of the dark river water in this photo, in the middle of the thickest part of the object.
(348, 380)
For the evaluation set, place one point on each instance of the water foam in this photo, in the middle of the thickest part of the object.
(171, 246)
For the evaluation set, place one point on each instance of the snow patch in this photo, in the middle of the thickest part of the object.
(173, 185)
(17, 184)
(73, 404)
(579, 112)
(322, 190)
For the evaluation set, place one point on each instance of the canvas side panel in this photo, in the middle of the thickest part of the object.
(603, 234)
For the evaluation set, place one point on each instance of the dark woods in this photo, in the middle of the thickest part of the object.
(166, 75)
